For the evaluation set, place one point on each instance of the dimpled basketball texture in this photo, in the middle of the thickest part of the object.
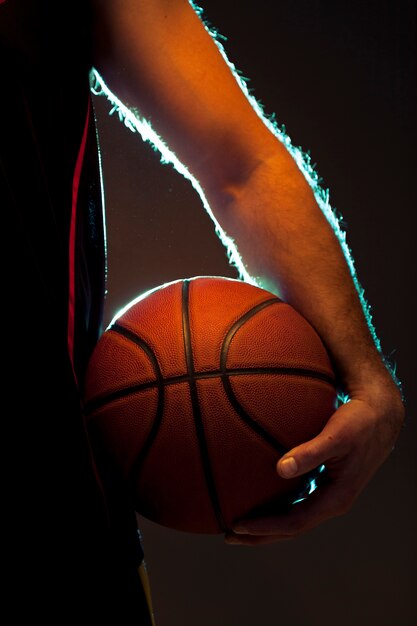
(195, 391)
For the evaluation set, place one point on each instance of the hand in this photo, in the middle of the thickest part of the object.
(353, 445)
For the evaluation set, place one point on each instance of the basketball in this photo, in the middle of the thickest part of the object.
(196, 389)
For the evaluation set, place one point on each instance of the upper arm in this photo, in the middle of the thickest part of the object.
(157, 57)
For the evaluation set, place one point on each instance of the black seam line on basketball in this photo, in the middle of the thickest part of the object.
(96, 403)
(242, 320)
(253, 424)
(198, 421)
(299, 371)
(125, 332)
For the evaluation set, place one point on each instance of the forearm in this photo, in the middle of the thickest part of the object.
(289, 246)
(248, 179)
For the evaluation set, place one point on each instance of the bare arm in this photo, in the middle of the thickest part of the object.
(159, 59)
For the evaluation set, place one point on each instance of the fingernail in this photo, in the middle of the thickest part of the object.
(288, 467)
(240, 530)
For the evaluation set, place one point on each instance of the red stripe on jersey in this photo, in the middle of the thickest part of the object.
(71, 291)
(71, 251)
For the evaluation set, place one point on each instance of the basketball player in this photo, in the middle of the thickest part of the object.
(75, 545)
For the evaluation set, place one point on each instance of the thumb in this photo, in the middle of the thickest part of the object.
(331, 444)
(301, 460)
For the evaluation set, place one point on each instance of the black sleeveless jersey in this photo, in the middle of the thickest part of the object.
(50, 170)
(53, 282)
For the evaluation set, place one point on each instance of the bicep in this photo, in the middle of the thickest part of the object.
(157, 57)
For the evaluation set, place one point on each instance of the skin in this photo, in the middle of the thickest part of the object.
(251, 184)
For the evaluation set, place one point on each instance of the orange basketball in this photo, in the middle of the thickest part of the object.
(196, 389)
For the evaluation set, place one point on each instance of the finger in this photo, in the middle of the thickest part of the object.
(331, 444)
(253, 540)
(327, 502)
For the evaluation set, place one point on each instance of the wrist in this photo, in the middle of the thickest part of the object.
(377, 385)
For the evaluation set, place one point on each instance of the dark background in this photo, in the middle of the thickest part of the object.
(341, 76)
